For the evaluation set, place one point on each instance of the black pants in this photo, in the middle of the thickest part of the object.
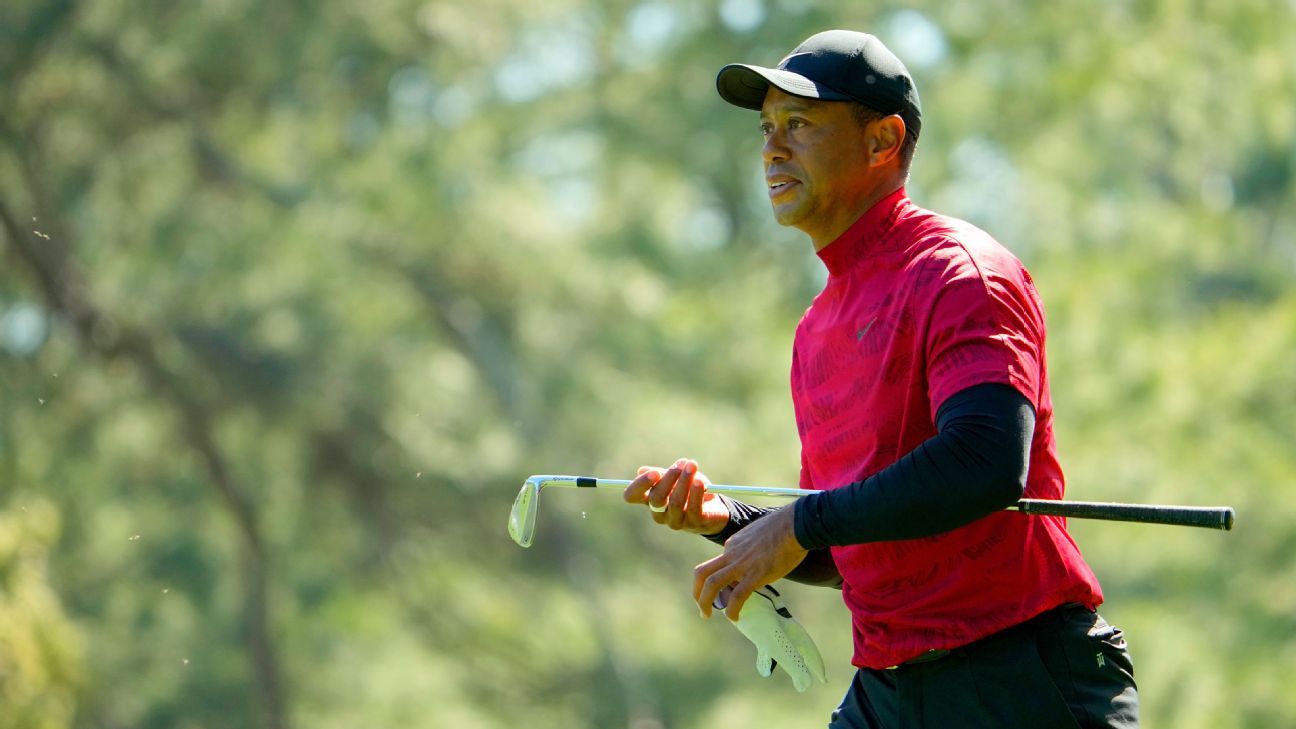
(1065, 669)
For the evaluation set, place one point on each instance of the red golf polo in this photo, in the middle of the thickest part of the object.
(917, 307)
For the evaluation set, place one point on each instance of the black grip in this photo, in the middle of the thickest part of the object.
(1208, 517)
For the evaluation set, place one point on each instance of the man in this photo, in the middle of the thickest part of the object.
(922, 403)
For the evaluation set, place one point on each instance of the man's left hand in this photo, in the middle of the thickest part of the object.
(759, 554)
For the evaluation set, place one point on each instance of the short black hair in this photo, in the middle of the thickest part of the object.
(865, 114)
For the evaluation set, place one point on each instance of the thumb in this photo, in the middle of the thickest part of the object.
(764, 664)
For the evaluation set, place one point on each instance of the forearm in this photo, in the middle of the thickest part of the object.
(816, 569)
(976, 464)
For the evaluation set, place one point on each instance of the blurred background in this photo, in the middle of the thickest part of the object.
(293, 296)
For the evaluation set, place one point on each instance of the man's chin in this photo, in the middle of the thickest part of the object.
(788, 215)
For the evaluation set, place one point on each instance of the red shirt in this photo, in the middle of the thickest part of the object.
(917, 307)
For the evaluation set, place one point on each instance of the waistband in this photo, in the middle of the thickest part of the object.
(938, 653)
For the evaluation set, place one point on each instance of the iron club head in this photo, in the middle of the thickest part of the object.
(521, 523)
(522, 517)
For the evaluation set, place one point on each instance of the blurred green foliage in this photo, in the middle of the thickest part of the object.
(295, 294)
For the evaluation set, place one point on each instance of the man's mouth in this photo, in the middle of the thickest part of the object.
(780, 185)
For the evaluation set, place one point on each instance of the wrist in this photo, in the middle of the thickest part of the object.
(807, 528)
(719, 516)
(726, 523)
(789, 527)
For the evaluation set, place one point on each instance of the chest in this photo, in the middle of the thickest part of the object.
(863, 337)
(859, 386)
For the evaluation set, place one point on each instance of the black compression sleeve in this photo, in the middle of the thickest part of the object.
(974, 465)
(740, 515)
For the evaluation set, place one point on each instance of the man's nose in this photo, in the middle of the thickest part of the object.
(775, 148)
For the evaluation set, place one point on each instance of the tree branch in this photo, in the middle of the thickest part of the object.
(64, 291)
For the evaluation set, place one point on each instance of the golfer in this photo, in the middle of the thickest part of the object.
(922, 403)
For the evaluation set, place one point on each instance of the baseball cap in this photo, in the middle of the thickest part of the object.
(835, 65)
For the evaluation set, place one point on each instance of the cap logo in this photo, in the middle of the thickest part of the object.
(783, 63)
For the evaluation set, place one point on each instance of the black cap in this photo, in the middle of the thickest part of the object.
(835, 65)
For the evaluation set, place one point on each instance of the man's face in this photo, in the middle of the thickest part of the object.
(816, 163)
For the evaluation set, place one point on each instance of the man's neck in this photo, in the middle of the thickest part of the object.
(822, 238)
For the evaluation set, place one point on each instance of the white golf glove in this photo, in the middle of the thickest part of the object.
(780, 640)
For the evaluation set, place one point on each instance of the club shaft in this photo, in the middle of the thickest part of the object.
(617, 483)
(1207, 517)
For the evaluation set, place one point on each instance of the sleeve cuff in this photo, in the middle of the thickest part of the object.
(740, 515)
(736, 522)
(808, 522)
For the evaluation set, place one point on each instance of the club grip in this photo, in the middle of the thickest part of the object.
(1208, 517)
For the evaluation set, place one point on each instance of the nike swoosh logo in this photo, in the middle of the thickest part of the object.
(783, 63)
(859, 333)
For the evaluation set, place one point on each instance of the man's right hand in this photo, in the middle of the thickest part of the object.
(677, 497)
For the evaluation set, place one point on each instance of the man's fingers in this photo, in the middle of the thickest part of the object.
(709, 578)
(676, 496)
(738, 598)
(703, 571)
(661, 490)
(637, 491)
(679, 495)
(696, 495)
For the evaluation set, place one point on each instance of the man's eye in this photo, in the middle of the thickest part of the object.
(765, 130)
(794, 123)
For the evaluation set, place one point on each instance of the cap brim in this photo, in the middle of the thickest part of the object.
(743, 85)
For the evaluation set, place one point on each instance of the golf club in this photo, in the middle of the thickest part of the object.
(522, 518)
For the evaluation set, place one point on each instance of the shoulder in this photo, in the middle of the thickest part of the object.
(948, 250)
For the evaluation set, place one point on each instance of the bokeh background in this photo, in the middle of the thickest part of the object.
(293, 295)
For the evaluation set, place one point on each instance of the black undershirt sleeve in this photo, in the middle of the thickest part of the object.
(975, 464)
(740, 515)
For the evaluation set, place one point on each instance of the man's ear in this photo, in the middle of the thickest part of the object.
(884, 144)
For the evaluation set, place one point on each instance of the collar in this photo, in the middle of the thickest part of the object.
(864, 235)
